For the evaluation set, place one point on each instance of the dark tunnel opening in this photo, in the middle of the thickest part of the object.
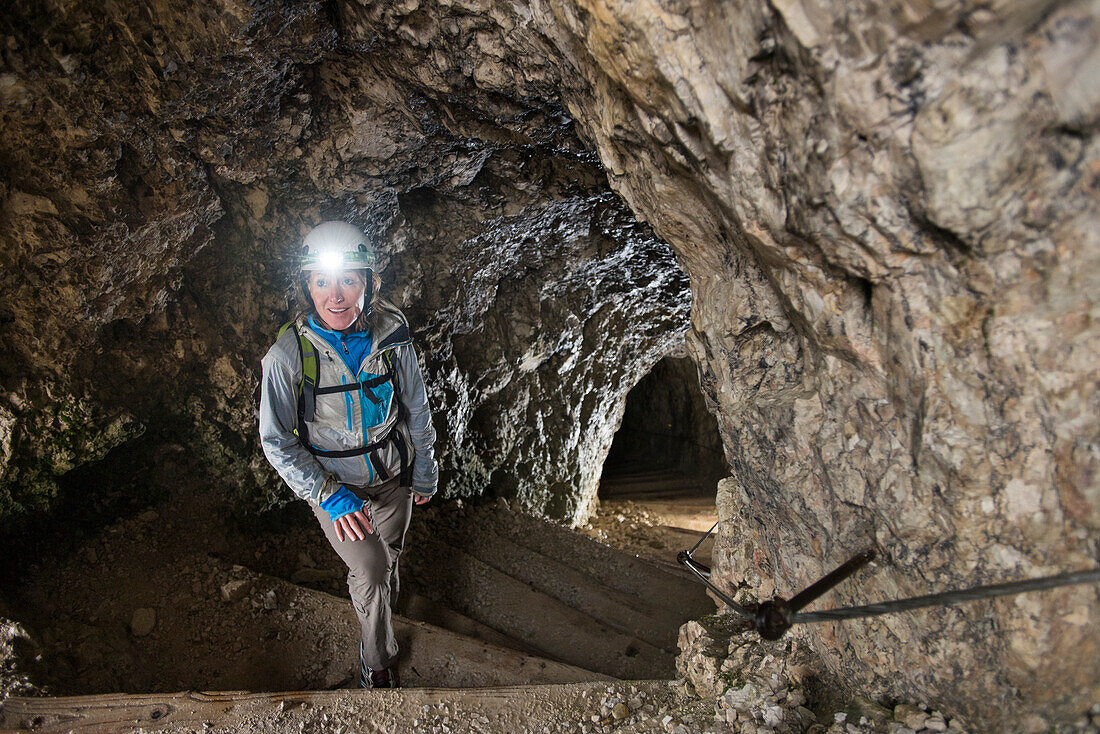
(668, 445)
(659, 484)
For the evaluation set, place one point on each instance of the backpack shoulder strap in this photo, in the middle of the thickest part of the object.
(307, 389)
(402, 418)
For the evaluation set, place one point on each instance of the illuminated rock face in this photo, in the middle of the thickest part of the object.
(889, 219)
(162, 169)
(888, 215)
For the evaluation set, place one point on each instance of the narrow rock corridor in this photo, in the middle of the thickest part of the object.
(823, 276)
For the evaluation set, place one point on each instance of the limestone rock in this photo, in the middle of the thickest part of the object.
(537, 298)
(21, 669)
(887, 213)
(143, 621)
(235, 589)
(893, 314)
(911, 716)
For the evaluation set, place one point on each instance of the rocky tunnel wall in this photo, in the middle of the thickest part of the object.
(887, 213)
(161, 167)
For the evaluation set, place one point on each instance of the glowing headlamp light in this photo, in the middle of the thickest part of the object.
(331, 261)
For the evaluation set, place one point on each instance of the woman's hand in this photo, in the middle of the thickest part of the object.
(353, 526)
(420, 499)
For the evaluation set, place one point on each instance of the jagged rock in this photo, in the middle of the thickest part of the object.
(910, 715)
(753, 686)
(20, 659)
(703, 647)
(891, 314)
(887, 215)
(235, 589)
(537, 298)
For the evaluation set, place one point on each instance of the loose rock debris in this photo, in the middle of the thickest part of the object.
(96, 640)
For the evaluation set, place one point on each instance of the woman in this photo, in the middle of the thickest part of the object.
(344, 419)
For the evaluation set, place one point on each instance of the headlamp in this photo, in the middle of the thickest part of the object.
(331, 260)
(337, 246)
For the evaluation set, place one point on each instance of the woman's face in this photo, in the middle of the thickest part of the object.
(338, 296)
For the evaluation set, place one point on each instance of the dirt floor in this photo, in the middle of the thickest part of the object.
(655, 529)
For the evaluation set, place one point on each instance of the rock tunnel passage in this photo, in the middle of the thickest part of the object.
(884, 221)
(491, 596)
(658, 484)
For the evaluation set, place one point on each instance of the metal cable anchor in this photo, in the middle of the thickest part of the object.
(773, 618)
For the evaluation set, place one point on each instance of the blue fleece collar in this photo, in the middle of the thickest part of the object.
(352, 348)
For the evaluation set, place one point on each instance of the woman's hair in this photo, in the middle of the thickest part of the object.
(367, 320)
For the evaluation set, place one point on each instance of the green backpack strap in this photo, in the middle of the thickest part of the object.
(307, 389)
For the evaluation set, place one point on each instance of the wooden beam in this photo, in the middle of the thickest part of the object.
(505, 708)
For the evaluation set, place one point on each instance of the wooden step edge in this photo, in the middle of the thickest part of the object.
(674, 572)
(416, 606)
(285, 710)
(463, 648)
(576, 620)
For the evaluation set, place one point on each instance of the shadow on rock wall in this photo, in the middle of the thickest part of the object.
(150, 241)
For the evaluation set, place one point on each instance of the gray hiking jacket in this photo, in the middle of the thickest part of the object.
(348, 420)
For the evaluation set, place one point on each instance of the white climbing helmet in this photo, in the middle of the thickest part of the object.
(337, 246)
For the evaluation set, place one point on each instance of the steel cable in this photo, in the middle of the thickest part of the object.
(774, 617)
(952, 597)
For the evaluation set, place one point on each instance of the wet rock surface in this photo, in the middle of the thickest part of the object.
(887, 215)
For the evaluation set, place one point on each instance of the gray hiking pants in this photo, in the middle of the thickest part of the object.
(372, 566)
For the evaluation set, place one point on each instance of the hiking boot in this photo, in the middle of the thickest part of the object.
(385, 678)
(371, 678)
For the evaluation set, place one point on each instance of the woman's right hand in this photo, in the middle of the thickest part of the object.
(353, 526)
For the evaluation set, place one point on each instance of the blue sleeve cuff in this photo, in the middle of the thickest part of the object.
(342, 502)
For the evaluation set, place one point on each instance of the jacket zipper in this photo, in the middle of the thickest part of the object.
(364, 458)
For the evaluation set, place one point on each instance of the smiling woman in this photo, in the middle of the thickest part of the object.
(332, 428)
(338, 296)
